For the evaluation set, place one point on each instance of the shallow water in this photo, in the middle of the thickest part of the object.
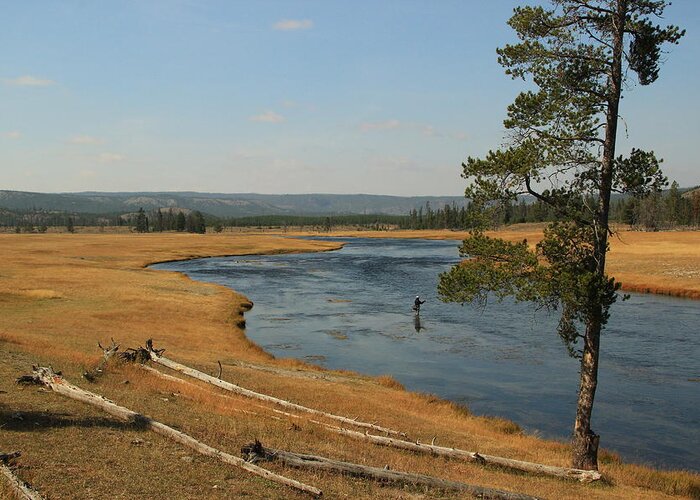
(351, 309)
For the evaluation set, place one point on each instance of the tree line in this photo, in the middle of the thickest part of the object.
(39, 220)
(168, 220)
(319, 222)
(656, 211)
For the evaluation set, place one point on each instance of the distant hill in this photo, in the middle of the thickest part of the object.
(224, 205)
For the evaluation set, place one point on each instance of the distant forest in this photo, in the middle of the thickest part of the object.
(658, 211)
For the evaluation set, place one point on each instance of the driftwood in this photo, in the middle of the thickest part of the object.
(47, 377)
(107, 353)
(170, 378)
(21, 489)
(140, 354)
(256, 451)
(155, 356)
(584, 476)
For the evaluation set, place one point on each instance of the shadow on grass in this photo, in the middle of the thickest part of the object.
(39, 421)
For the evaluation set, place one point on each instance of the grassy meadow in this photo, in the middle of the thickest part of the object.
(62, 293)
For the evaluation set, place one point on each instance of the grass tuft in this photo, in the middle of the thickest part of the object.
(390, 382)
(502, 425)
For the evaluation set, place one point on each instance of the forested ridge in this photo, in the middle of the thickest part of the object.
(673, 208)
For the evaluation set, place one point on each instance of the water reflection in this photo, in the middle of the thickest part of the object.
(416, 323)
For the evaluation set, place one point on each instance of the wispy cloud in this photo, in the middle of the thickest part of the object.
(293, 24)
(397, 163)
(429, 131)
(85, 139)
(110, 157)
(268, 117)
(385, 125)
(28, 81)
(12, 134)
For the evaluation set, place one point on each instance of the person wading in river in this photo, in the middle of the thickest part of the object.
(417, 303)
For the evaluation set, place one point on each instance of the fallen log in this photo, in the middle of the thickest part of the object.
(21, 489)
(584, 476)
(107, 353)
(156, 357)
(170, 378)
(256, 451)
(52, 380)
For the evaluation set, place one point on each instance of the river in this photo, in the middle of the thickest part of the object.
(351, 309)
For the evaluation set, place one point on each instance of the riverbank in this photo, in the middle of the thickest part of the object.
(61, 293)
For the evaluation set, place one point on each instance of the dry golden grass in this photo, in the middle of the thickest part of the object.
(61, 293)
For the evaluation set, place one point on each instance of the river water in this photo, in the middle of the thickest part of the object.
(351, 309)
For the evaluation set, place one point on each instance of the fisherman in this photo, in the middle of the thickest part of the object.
(417, 303)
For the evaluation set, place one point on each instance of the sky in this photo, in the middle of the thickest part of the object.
(322, 96)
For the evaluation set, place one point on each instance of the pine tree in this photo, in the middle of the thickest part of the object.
(674, 205)
(141, 221)
(200, 226)
(695, 207)
(651, 212)
(180, 222)
(169, 221)
(194, 223)
(563, 152)
(158, 225)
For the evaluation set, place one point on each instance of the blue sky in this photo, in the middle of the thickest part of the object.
(380, 97)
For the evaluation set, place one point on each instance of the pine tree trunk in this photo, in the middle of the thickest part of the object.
(585, 445)
(585, 442)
